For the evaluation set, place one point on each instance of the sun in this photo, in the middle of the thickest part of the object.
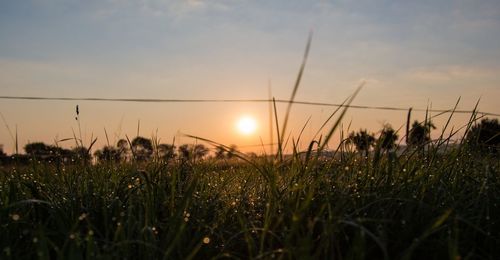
(246, 125)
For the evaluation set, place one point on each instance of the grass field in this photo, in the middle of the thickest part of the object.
(419, 204)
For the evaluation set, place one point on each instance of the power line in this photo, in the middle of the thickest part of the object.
(310, 103)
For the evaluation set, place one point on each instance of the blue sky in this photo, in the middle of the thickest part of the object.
(410, 53)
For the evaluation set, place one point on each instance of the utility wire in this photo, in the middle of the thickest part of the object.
(152, 100)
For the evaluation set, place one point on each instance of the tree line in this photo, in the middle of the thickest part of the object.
(140, 149)
(483, 137)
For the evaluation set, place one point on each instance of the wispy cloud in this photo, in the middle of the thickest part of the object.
(175, 9)
(454, 72)
(179, 8)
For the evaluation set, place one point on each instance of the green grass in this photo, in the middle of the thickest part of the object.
(413, 206)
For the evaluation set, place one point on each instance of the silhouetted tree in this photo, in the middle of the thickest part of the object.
(142, 148)
(199, 151)
(362, 140)
(122, 145)
(194, 152)
(81, 154)
(420, 134)
(387, 139)
(166, 151)
(184, 152)
(220, 152)
(37, 149)
(41, 151)
(99, 155)
(485, 136)
(108, 154)
(60, 154)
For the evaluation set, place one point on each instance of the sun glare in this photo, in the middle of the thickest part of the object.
(247, 125)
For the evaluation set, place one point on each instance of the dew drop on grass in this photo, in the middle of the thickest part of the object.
(82, 216)
(15, 217)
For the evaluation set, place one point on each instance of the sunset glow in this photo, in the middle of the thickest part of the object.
(238, 50)
(246, 125)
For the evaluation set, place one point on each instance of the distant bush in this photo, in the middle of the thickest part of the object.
(485, 136)
(362, 140)
(420, 134)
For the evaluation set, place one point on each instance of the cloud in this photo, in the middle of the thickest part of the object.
(175, 9)
(454, 72)
(181, 8)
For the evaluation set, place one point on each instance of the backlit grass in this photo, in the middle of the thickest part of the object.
(431, 205)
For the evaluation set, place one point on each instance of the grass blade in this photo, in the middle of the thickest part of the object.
(335, 125)
(296, 86)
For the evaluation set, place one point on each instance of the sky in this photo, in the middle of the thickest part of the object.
(409, 53)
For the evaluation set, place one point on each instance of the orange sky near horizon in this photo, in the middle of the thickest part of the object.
(410, 54)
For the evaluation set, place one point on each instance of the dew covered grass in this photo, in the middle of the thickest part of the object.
(411, 205)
